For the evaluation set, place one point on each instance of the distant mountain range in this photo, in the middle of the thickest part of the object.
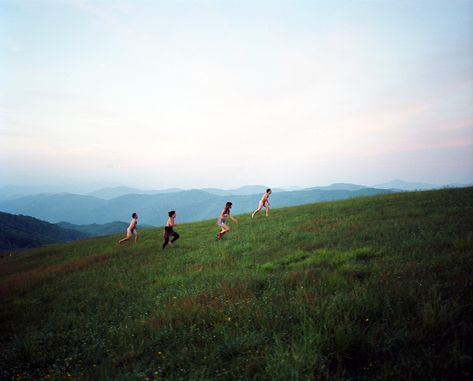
(242, 191)
(74, 216)
(413, 186)
(113, 192)
(341, 186)
(192, 205)
(108, 193)
(406, 186)
(95, 230)
(117, 203)
(22, 232)
(13, 192)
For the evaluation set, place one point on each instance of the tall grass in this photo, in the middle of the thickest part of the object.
(369, 288)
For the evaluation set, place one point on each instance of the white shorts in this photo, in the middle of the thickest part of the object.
(129, 232)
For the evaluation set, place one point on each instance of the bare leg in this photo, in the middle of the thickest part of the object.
(225, 229)
(260, 206)
(123, 240)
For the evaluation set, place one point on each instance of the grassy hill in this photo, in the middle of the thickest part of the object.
(368, 288)
(22, 232)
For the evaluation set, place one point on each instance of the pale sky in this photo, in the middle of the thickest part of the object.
(157, 94)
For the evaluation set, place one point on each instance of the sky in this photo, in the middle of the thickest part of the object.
(192, 94)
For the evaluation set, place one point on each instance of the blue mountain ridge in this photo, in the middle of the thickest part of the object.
(191, 205)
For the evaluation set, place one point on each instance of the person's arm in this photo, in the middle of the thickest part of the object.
(233, 219)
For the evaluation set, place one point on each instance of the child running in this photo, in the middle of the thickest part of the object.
(264, 202)
(131, 231)
(169, 231)
(222, 219)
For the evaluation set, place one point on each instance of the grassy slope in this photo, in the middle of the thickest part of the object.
(367, 288)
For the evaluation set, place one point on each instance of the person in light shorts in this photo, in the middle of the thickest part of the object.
(222, 220)
(264, 202)
(131, 231)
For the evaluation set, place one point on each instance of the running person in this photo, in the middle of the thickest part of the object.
(169, 231)
(131, 231)
(222, 219)
(264, 202)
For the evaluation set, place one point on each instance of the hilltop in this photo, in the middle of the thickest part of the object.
(368, 288)
(22, 232)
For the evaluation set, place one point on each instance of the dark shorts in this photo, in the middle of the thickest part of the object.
(167, 231)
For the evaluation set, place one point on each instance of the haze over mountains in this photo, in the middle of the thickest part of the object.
(192, 205)
(117, 203)
(14, 191)
(113, 192)
(412, 186)
(107, 193)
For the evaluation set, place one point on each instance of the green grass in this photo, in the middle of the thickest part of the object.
(368, 288)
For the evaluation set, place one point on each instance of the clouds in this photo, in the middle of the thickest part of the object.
(209, 88)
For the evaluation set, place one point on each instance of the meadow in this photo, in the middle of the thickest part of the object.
(363, 289)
